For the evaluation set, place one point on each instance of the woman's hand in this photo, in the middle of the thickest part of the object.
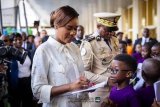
(81, 83)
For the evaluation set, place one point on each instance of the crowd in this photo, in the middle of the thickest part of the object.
(69, 60)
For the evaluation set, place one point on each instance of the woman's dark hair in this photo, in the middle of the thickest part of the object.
(128, 60)
(62, 16)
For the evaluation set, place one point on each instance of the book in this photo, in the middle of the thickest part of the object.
(157, 90)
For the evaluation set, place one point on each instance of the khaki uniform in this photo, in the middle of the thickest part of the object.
(97, 56)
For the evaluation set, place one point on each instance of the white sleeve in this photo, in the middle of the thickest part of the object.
(39, 79)
(96, 78)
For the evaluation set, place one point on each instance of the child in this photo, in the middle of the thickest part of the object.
(122, 95)
(129, 47)
(137, 55)
(150, 73)
(122, 47)
(156, 51)
(146, 50)
(146, 53)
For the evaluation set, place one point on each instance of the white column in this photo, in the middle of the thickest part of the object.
(135, 20)
(158, 20)
(120, 22)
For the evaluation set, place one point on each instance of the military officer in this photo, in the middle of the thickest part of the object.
(98, 51)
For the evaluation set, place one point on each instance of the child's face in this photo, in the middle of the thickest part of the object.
(145, 52)
(119, 71)
(155, 51)
(122, 48)
(138, 48)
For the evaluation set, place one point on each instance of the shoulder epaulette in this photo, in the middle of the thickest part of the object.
(90, 38)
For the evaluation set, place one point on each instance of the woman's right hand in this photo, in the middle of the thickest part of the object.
(81, 83)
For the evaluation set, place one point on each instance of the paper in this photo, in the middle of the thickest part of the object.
(157, 90)
(100, 85)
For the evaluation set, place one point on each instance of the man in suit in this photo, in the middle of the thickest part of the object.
(26, 45)
(44, 35)
(79, 36)
(97, 52)
(145, 38)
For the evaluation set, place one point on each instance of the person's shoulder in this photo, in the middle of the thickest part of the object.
(73, 45)
(89, 38)
(87, 41)
(45, 39)
(153, 40)
(138, 39)
(44, 46)
(114, 37)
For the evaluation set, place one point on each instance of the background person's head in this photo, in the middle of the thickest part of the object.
(122, 47)
(65, 21)
(18, 40)
(43, 33)
(30, 38)
(146, 50)
(106, 23)
(124, 66)
(156, 50)
(5, 39)
(138, 48)
(120, 36)
(24, 36)
(145, 32)
(80, 32)
(37, 41)
(151, 70)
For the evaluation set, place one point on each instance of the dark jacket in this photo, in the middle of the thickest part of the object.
(139, 41)
(12, 72)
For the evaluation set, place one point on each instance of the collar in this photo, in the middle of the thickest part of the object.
(56, 44)
(145, 38)
(77, 39)
(97, 35)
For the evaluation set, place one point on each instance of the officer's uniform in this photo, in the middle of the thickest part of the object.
(97, 54)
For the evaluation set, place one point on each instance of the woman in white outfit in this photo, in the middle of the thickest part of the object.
(57, 64)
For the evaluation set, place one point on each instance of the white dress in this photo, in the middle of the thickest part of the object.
(55, 64)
